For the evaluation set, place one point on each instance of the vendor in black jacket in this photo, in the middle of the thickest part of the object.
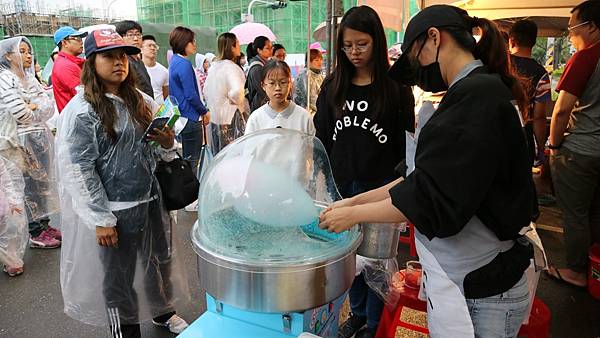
(469, 193)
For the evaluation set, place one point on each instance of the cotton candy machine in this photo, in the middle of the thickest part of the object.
(267, 267)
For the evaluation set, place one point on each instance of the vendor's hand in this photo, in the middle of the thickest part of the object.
(107, 236)
(164, 137)
(32, 106)
(206, 118)
(346, 202)
(337, 219)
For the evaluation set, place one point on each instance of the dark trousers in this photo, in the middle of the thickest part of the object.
(36, 227)
(191, 141)
(143, 238)
(363, 301)
(576, 180)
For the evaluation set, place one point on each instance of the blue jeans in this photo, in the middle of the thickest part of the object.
(364, 302)
(500, 316)
(191, 140)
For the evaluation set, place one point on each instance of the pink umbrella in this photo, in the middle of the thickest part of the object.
(248, 31)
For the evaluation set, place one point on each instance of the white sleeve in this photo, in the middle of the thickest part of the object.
(251, 125)
(166, 76)
(235, 85)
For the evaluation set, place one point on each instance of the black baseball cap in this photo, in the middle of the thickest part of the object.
(432, 16)
(102, 40)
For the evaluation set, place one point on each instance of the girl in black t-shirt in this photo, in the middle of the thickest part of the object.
(361, 118)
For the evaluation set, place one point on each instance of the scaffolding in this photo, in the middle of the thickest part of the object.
(289, 24)
(39, 25)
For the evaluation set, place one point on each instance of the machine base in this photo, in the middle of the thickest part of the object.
(224, 321)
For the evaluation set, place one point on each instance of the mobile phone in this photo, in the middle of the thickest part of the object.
(158, 122)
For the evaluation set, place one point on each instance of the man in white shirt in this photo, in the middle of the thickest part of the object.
(159, 75)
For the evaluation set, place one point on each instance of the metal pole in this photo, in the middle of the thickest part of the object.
(337, 12)
(307, 62)
(329, 37)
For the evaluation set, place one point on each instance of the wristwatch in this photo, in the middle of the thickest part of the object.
(555, 147)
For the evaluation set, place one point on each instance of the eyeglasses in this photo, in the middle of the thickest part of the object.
(133, 35)
(74, 38)
(281, 84)
(569, 29)
(358, 48)
(153, 46)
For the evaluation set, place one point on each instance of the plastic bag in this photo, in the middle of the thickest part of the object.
(379, 277)
(220, 135)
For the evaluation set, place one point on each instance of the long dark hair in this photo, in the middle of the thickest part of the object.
(492, 50)
(258, 43)
(363, 19)
(94, 90)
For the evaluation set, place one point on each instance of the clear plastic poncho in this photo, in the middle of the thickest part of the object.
(224, 93)
(106, 183)
(14, 234)
(24, 109)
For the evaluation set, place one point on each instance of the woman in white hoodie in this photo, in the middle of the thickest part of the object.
(224, 93)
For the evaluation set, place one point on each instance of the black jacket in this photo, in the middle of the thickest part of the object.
(471, 160)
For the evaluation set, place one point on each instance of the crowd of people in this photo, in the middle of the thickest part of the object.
(459, 169)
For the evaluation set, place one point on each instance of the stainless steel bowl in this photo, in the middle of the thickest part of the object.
(380, 240)
(276, 288)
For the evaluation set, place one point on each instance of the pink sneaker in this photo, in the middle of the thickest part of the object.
(44, 241)
(54, 233)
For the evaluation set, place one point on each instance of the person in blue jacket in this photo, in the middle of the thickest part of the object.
(184, 87)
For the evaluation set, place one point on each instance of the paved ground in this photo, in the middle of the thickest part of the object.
(31, 305)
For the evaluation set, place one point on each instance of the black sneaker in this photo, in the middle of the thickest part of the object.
(351, 325)
(366, 332)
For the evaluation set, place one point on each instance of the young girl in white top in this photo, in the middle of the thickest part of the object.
(279, 112)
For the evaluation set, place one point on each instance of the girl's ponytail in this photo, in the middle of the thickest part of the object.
(250, 51)
(493, 52)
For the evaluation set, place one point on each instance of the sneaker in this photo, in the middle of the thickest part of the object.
(54, 233)
(44, 241)
(175, 324)
(351, 325)
(13, 271)
(192, 207)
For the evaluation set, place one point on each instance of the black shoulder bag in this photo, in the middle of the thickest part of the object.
(178, 183)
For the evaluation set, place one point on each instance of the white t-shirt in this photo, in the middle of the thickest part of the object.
(293, 117)
(159, 76)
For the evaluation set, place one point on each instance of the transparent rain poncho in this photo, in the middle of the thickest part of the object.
(13, 220)
(260, 199)
(24, 109)
(106, 183)
(224, 93)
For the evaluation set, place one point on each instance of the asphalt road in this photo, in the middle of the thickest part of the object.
(31, 305)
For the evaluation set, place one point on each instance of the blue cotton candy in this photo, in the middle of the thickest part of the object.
(269, 195)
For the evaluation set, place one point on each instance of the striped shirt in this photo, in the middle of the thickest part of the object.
(15, 116)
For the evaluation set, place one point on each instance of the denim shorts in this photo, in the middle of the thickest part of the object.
(500, 316)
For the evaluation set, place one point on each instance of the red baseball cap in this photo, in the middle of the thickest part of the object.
(102, 40)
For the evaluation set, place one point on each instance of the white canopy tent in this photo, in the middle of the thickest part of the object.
(551, 16)
(494, 9)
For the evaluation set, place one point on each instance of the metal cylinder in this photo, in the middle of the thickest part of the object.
(380, 240)
(276, 288)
